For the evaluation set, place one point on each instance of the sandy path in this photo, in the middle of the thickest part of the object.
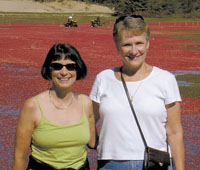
(67, 6)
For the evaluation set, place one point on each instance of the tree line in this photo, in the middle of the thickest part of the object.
(154, 8)
(151, 8)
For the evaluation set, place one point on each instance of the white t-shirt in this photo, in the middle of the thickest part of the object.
(119, 135)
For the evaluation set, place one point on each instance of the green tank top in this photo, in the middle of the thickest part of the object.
(61, 146)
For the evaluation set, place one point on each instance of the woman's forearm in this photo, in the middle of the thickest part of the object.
(175, 134)
(178, 152)
(19, 164)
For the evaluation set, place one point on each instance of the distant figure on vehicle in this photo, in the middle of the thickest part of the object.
(71, 22)
(96, 22)
(70, 18)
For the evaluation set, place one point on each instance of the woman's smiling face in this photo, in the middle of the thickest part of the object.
(133, 49)
(63, 78)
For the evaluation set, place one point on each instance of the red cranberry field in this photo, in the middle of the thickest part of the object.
(23, 48)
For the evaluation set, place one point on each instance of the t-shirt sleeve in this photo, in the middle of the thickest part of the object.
(172, 93)
(95, 91)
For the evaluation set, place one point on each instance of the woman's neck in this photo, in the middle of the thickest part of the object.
(62, 93)
(136, 74)
(61, 99)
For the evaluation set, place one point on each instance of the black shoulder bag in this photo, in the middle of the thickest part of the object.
(154, 159)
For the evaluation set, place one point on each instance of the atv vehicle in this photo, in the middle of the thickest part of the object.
(71, 23)
(96, 22)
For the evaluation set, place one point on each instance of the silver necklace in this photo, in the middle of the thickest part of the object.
(133, 95)
(58, 107)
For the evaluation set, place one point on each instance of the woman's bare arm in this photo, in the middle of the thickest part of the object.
(25, 127)
(175, 134)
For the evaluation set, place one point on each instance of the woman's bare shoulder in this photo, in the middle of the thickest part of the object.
(28, 112)
(30, 106)
(86, 99)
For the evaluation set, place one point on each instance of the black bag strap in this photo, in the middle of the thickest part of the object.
(132, 109)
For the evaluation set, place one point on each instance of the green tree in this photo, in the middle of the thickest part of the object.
(155, 7)
(130, 6)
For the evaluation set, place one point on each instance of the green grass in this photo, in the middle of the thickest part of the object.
(50, 18)
(186, 46)
(194, 89)
(188, 34)
(172, 19)
(183, 34)
(60, 18)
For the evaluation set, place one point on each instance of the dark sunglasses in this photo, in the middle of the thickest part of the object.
(58, 66)
(121, 18)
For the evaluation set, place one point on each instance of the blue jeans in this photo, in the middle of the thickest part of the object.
(125, 165)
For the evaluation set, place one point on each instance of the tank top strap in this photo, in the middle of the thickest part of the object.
(83, 105)
(82, 102)
(38, 102)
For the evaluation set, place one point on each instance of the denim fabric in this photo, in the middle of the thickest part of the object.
(126, 165)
